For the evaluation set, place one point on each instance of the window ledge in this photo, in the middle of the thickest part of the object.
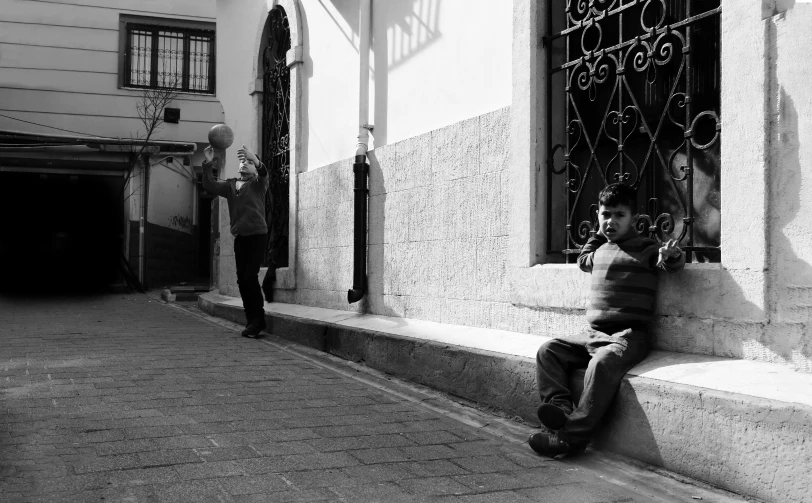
(702, 290)
(203, 96)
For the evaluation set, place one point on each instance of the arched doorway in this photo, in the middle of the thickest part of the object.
(276, 134)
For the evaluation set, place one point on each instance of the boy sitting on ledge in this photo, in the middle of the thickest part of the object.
(624, 267)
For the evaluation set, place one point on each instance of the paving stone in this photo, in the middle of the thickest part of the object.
(311, 479)
(141, 476)
(435, 468)
(581, 493)
(433, 437)
(199, 491)
(433, 486)
(105, 463)
(322, 494)
(486, 464)
(285, 448)
(168, 457)
(363, 442)
(209, 454)
(377, 473)
(202, 471)
(253, 484)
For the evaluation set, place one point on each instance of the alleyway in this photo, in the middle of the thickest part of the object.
(121, 398)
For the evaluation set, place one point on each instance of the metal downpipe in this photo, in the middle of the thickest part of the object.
(360, 167)
(359, 276)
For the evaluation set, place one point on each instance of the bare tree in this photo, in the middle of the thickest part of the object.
(150, 109)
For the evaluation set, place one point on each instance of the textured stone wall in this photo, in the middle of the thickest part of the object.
(437, 226)
(437, 233)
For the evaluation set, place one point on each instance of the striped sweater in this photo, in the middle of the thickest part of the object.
(624, 279)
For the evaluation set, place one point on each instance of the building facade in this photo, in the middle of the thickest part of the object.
(478, 137)
(81, 84)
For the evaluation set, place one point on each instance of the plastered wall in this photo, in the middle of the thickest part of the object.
(59, 65)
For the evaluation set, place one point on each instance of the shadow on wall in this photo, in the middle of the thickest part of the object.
(791, 276)
(790, 286)
(404, 28)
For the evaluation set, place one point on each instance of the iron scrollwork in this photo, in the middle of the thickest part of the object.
(276, 135)
(637, 84)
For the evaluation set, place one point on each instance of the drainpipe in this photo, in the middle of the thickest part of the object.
(144, 222)
(141, 229)
(360, 167)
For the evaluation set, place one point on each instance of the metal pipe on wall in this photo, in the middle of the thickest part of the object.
(360, 167)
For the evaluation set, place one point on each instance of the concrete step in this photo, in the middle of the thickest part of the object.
(739, 425)
(181, 293)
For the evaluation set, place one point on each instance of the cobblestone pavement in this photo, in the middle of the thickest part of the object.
(121, 398)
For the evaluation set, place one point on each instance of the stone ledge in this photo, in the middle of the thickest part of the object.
(737, 424)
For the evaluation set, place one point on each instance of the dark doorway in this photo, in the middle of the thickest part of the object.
(59, 232)
(204, 235)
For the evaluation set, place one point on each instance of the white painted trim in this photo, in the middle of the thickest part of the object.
(526, 123)
(294, 55)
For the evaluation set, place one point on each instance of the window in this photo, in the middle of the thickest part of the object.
(166, 53)
(633, 97)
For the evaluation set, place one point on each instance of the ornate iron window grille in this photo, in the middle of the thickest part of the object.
(633, 97)
(169, 57)
(276, 135)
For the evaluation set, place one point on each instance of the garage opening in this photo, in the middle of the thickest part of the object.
(60, 232)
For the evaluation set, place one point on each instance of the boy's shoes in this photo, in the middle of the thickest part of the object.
(549, 444)
(551, 416)
(254, 328)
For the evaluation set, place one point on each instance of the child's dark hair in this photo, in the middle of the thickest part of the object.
(617, 194)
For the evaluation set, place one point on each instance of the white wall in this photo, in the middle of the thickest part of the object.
(430, 69)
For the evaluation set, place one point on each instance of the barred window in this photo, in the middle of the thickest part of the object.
(633, 97)
(166, 56)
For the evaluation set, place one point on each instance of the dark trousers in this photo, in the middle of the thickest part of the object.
(248, 252)
(607, 357)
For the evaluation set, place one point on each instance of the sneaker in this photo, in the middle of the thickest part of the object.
(549, 444)
(254, 328)
(551, 416)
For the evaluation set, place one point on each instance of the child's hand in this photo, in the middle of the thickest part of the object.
(208, 153)
(669, 250)
(246, 155)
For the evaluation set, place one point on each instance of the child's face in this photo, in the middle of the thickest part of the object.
(616, 221)
(247, 170)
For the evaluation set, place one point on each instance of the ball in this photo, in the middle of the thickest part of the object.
(221, 136)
